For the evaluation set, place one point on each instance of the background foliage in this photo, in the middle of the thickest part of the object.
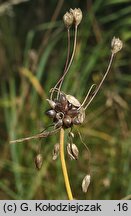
(32, 55)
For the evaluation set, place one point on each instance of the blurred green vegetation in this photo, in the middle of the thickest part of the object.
(33, 46)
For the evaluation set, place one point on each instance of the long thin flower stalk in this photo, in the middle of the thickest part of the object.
(99, 86)
(66, 64)
(67, 61)
(71, 60)
(64, 168)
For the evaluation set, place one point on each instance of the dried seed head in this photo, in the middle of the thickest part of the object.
(85, 183)
(73, 151)
(38, 161)
(116, 45)
(68, 19)
(77, 14)
(56, 151)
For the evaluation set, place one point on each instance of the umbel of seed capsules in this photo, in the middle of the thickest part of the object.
(65, 111)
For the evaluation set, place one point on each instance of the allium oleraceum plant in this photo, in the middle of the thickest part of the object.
(65, 110)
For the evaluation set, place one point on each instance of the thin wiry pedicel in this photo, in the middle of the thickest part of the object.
(116, 46)
(70, 18)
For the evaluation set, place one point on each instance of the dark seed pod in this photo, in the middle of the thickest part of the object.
(76, 121)
(69, 106)
(51, 113)
(59, 107)
(38, 161)
(73, 112)
(67, 121)
(63, 100)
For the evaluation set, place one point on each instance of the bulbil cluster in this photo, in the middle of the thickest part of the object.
(65, 111)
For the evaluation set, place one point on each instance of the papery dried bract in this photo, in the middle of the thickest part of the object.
(116, 45)
(71, 99)
(86, 183)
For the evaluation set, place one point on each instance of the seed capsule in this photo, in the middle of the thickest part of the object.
(51, 113)
(73, 112)
(73, 151)
(116, 45)
(69, 106)
(63, 100)
(68, 19)
(76, 121)
(56, 151)
(59, 107)
(67, 121)
(86, 183)
(38, 161)
(77, 14)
